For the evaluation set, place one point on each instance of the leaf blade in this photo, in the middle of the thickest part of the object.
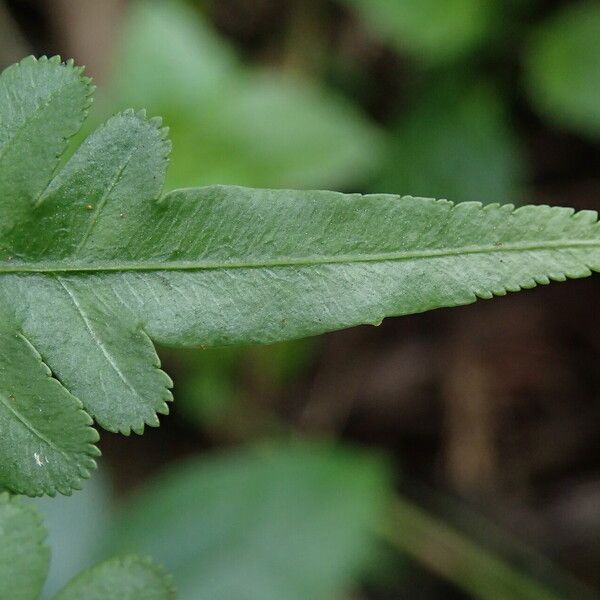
(47, 442)
(43, 102)
(363, 257)
(296, 252)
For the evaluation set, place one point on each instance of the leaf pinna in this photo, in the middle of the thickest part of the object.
(95, 263)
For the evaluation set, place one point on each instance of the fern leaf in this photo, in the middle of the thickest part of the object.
(24, 557)
(95, 263)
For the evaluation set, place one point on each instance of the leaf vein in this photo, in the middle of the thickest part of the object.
(96, 338)
(9, 406)
(199, 265)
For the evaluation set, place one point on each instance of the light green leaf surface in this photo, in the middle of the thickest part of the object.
(280, 521)
(24, 558)
(433, 31)
(94, 264)
(235, 124)
(563, 68)
(42, 104)
(46, 443)
(122, 578)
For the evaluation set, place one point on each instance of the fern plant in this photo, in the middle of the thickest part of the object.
(96, 263)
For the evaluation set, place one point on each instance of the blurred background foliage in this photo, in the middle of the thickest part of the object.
(448, 455)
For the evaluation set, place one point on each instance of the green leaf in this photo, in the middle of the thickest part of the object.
(433, 31)
(234, 124)
(96, 264)
(154, 35)
(122, 578)
(280, 521)
(563, 68)
(42, 104)
(224, 265)
(47, 442)
(24, 558)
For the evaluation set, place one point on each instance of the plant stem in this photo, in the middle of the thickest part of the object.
(449, 554)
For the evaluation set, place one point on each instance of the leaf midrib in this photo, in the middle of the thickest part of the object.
(202, 265)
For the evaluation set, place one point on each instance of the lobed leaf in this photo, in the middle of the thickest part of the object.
(94, 264)
(24, 558)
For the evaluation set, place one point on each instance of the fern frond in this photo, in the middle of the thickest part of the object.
(95, 263)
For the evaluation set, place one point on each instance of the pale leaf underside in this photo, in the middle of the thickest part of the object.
(95, 263)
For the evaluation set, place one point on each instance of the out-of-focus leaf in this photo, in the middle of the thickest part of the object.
(457, 144)
(434, 31)
(170, 56)
(291, 522)
(563, 67)
(122, 578)
(75, 524)
(231, 124)
(24, 557)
